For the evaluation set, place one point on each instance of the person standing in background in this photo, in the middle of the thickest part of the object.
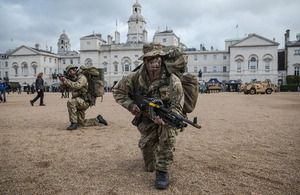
(2, 91)
(39, 84)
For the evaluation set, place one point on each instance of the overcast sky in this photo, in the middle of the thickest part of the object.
(207, 22)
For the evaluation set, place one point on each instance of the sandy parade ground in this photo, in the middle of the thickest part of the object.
(248, 144)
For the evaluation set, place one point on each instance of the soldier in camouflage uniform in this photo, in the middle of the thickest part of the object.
(81, 99)
(158, 139)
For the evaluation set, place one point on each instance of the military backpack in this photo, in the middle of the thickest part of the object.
(176, 61)
(95, 78)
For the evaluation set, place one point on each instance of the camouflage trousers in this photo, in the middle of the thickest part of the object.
(76, 109)
(157, 144)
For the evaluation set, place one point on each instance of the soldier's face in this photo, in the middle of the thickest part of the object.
(72, 72)
(153, 63)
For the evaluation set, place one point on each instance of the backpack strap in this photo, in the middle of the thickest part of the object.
(171, 91)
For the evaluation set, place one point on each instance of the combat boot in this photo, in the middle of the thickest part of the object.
(73, 126)
(101, 119)
(162, 180)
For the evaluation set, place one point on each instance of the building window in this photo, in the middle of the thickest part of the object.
(126, 67)
(205, 57)
(6, 74)
(105, 68)
(195, 57)
(44, 59)
(215, 69)
(25, 70)
(50, 59)
(115, 56)
(136, 65)
(78, 61)
(267, 65)
(64, 61)
(88, 62)
(16, 70)
(224, 57)
(253, 63)
(205, 69)
(224, 68)
(195, 69)
(215, 56)
(297, 52)
(164, 40)
(6, 64)
(116, 67)
(105, 57)
(71, 61)
(55, 61)
(34, 70)
(296, 70)
(186, 69)
(239, 66)
(45, 70)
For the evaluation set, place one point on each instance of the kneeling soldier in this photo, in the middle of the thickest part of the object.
(81, 99)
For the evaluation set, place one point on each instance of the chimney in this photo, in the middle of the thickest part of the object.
(37, 46)
(211, 48)
(287, 36)
(109, 39)
(51, 49)
(201, 47)
(117, 37)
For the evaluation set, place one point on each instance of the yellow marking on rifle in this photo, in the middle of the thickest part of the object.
(153, 105)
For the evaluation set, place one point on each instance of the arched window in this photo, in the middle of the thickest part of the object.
(25, 69)
(253, 63)
(267, 58)
(88, 62)
(239, 61)
(16, 67)
(267, 65)
(127, 67)
(126, 64)
(239, 66)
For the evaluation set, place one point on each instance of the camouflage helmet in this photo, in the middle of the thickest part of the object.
(71, 66)
(152, 49)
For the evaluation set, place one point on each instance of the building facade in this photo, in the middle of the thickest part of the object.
(244, 59)
(24, 63)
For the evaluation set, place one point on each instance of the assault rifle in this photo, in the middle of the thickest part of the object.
(156, 108)
(65, 74)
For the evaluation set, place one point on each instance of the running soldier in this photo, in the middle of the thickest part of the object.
(158, 138)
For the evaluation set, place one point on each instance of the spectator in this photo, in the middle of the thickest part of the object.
(39, 84)
(19, 89)
(2, 91)
(8, 88)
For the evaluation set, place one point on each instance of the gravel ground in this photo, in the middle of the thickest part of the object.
(248, 144)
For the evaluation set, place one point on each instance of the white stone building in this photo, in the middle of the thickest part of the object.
(292, 54)
(116, 59)
(244, 59)
(25, 63)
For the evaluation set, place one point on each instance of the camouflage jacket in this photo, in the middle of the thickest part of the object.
(77, 85)
(160, 88)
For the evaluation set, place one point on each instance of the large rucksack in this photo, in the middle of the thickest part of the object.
(176, 61)
(95, 79)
